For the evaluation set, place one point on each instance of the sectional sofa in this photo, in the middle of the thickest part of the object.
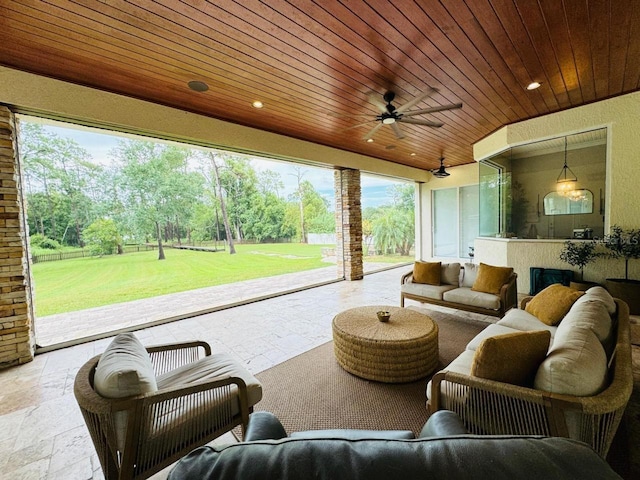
(565, 373)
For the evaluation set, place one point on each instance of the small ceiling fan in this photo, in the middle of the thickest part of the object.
(440, 172)
(392, 115)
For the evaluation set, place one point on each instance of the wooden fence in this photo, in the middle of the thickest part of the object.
(53, 257)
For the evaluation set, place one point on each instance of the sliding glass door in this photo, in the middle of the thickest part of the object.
(455, 221)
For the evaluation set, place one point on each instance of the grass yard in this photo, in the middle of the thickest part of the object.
(77, 284)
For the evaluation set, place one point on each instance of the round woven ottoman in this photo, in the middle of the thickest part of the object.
(404, 349)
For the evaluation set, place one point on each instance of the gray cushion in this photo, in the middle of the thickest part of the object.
(469, 275)
(450, 274)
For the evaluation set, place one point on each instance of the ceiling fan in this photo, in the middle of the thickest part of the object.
(440, 172)
(392, 115)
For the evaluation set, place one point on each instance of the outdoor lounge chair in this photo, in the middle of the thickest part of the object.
(186, 398)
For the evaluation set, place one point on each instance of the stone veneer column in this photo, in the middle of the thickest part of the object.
(16, 323)
(348, 223)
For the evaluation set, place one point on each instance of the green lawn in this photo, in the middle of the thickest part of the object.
(77, 284)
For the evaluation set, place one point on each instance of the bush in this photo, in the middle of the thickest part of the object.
(50, 244)
(36, 239)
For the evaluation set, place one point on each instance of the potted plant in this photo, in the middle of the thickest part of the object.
(579, 254)
(621, 243)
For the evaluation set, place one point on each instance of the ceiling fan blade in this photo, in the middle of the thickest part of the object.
(416, 100)
(348, 115)
(417, 121)
(397, 131)
(359, 125)
(372, 132)
(441, 108)
(374, 98)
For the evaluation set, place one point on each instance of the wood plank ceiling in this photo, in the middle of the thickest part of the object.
(313, 63)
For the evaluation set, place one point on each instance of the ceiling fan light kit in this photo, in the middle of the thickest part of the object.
(392, 115)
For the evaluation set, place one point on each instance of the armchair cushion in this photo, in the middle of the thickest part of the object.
(450, 274)
(427, 272)
(490, 278)
(469, 275)
(124, 369)
(213, 367)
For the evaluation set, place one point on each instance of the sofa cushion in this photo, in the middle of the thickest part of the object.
(461, 364)
(552, 304)
(491, 278)
(576, 364)
(427, 272)
(492, 330)
(469, 275)
(600, 294)
(524, 321)
(591, 314)
(450, 274)
(466, 296)
(434, 292)
(124, 369)
(511, 358)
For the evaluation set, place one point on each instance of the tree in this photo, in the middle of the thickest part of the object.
(156, 185)
(393, 225)
(102, 237)
(223, 207)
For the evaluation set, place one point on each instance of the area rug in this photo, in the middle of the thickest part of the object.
(311, 391)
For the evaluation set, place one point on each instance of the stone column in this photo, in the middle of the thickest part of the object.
(16, 320)
(348, 224)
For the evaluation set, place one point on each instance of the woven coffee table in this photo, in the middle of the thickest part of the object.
(404, 349)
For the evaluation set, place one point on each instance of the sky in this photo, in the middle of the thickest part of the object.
(374, 188)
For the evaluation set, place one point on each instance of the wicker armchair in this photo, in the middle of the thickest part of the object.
(164, 425)
(494, 408)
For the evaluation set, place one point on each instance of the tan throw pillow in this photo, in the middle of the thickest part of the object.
(427, 272)
(511, 358)
(490, 279)
(552, 304)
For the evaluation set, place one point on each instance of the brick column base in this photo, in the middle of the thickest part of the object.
(348, 224)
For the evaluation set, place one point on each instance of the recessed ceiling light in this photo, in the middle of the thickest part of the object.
(198, 86)
(413, 154)
(533, 85)
(369, 140)
(257, 104)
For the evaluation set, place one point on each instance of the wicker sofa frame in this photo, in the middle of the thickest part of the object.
(490, 407)
(193, 415)
(508, 297)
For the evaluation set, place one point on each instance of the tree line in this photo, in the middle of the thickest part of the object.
(161, 193)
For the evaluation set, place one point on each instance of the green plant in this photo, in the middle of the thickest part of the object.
(579, 254)
(621, 243)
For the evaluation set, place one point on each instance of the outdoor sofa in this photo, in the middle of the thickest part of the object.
(577, 385)
(444, 449)
(477, 288)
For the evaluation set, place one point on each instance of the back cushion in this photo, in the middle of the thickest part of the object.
(601, 295)
(576, 364)
(450, 274)
(124, 369)
(470, 274)
(490, 278)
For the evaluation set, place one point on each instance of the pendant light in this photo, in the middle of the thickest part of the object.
(566, 181)
(441, 172)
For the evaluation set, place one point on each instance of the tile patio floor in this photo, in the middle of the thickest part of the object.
(43, 435)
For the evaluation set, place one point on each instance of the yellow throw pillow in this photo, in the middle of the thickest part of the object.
(490, 279)
(511, 358)
(552, 304)
(427, 272)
